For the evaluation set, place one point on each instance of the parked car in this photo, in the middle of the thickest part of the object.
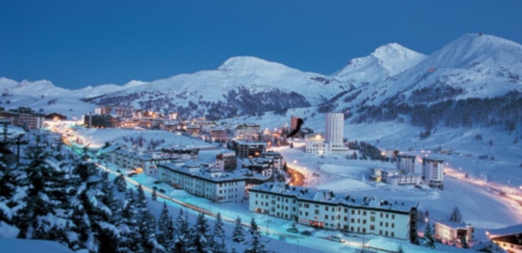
(336, 239)
(132, 174)
(161, 190)
(306, 232)
(155, 188)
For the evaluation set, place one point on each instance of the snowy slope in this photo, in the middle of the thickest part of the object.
(385, 62)
(481, 65)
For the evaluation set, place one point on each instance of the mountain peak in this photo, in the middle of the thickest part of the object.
(388, 60)
(248, 63)
(477, 48)
(394, 50)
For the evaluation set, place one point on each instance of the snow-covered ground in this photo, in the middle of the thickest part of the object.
(477, 196)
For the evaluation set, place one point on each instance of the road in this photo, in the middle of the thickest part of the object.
(296, 178)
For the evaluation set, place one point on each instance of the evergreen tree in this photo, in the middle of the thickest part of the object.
(13, 195)
(46, 199)
(183, 235)
(109, 235)
(200, 238)
(428, 237)
(165, 234)
(239, 234)
(455, 216)
(120, 182)
(218, 241)
(130, 241)
(154, 196)
(256, 246)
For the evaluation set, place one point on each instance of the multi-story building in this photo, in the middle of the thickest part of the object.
(315, 144)
(172, 125)
(100, 120)
(23, 117)
(323, 209)
(453, 232)
(138, 160)
(218, 134)
(226, 161)
(334, 133)
(508, 238)
(277, 159)
(123, 111)
(193, 129)
(213, 184)
(398, 177)
(259, 165)
(406, 163)
(433, 172)
(247, 132)
(247, 149)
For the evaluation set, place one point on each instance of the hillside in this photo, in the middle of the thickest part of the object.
(472, 81)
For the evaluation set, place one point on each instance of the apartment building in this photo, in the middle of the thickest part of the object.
(247, 132)
(23, 117)
(138, 160)
(398, 177)
(433, 172)
(315, 144)
(213, 184)
(247, 149)
(406, 163)
(453, 232)
(323, 209)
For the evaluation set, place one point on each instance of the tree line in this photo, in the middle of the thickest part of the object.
(55, 195)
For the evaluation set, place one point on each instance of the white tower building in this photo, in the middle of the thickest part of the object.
(406, 163)
(433, 172)
(334, 133)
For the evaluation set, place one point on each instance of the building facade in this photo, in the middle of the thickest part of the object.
(334, 133)
(247, 132)
(226, 161)
(216, 185)
(322, 209)
(453, 233)
(138, 160)
(218, 134)
(23, 117)
(396, 177)
(406, 163)
(247, 149)
(433, 172)
(508, 238)
(315, 144)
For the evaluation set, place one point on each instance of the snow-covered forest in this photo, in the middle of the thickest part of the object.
(54, 194)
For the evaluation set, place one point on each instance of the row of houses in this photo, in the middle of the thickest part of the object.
(322, 209)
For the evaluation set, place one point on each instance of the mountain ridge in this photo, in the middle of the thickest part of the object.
(471, 66)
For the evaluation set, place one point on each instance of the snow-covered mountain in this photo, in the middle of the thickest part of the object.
(392, 83)
(387, 61)
(475, 79)
(241, 85)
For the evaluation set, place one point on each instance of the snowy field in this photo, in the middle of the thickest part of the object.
(476, 196)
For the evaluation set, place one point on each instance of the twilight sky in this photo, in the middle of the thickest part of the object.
(93, 42)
